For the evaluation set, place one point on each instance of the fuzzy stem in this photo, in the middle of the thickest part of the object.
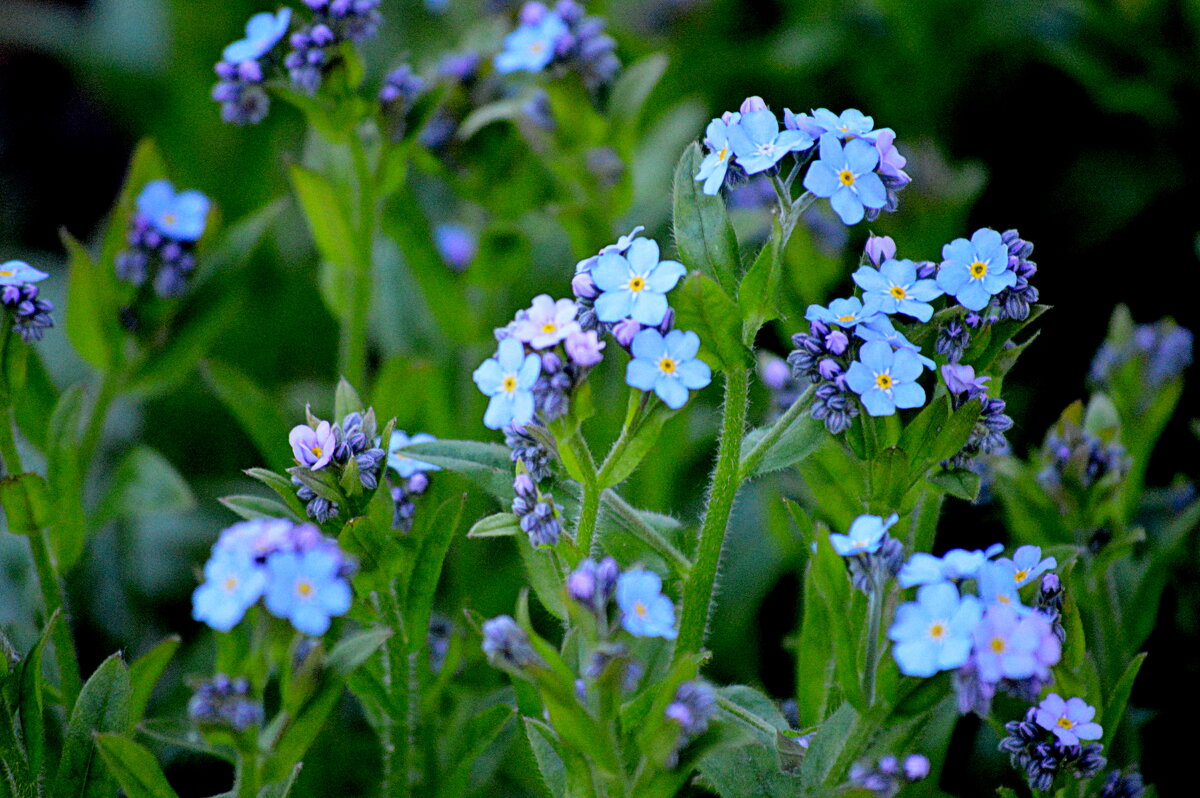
(588, 515)
(875, 604)
(698, 590)
(648, 534)
(757, 452)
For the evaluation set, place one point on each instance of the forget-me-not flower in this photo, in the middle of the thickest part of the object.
(1070, 721)
(531, 46)
(845, 313)
(18, 272)
(974, 271)
(1008, 645)
(759, 144)
(232, 582)
(881, 328)
(263, 32)
(180, 216)
(886, 380)
(846, 177)
(960, 378)
(667, 365)
(996, 586)
(851, 123)
(645, 611)
(307, 588)
(545, 323)
(403, 464)
(716, 163)
(1027, 564)
(925, 569)
(508, 379)
(865, 535)
(899, 290)
(313, 447)
(634, 285)
(933, 633)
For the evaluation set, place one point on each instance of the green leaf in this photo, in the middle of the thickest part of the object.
(949, 439)
(758, 293)
(639, 442)
(145, 484)
(919, 433)
(703, 232)
(332, 232)
(1116, 701)
(346, 400)
(376, 548)
(958, 482)
(631, 91)
(498, 525)
(753, 767)
(423, 582)
(474, 738)
(27, 503)
(91, 321)
(38, 394)
(800, 439)
(144, 674)
(544, 744)
(30, 700)
(826, 746)
(251, 507)
(103, 706)
(147, 164)
(488, 465)
(545, 578)
(282, 486)
(282, 789)
(702, 307)
(254, 410)
(134, 767)
(68, 532)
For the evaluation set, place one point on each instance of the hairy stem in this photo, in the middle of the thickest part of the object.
(698, 590)
(757, 452)
(875, 604)
(589, 512)
(648, 534)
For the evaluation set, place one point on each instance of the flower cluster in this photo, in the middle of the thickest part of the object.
(243, 68)
(872, 555)
(1050, 740)
(400, 91)
(990, 639)
(693, 707)
(886, 777)
(562, 37)
(324, 452)
(162, 236)
(301, 576)
(987, 436)
(1074, 457)
(225, 703)
(412, 478)
(642, 609)
(30, 314)
(1162, 350)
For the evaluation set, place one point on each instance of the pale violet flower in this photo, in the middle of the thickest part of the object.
(1070, 721)
(313, 447)
(545, 323)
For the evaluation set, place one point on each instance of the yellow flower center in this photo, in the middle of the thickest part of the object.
(667, 365)
(637, 284)
(639, 609)
(510, 384)
(1004, 599)
(6, 273)
(537, 47)
(170, 218)
(845, 318)
(978, 269)
(317, 450)
(898, 292)
(937, 631)
(549, 327)
(305, 589)
(1066, 723)
(997, 644)
(723, 153)
(1020, 576)
(231, 583)
(846, 177)
(884, 381)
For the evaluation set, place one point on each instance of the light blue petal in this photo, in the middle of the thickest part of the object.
(959, 250)
(522, 408)
(871, 192)
(694, 374)
(510, 355)
(952, 276)
(671, 391)
(985, 239)
(614, 305)
(742, 146)
(760, 126)
(682, 344)
(915, 659)
(908, 395)
(846, 205)
(611, 272)
(861, 156)
(648, 345)
(665, 276)
(755, 163)
(641, 374)
(531, 368)
(793, 140)
(488, 376)
(924, 290)
(869, 279)
(642, 255)
(859, 378)
(905, 365)
(973, 296)
(821, 179)
(901, 272)
(876, 356)
(646, 307)
(831, 151)
(499, 411)
(156, 198)
(715, 180)
(878, 403)
(918, 310)
(996, 281)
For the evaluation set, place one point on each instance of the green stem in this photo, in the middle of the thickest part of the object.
(49, 583)
(698, 590)
(588, 515)
(396, 678)
(746, 716)
(109, 388)
(628, 432)
(352, 350)
(757, 452)
(875, 604)
(625, 512)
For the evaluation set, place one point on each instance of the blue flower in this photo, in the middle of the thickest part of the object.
(846, 177)
(881, 328)
(759, 144)
(974, 271)
(531, 47)
(851, 123)
(232, 582)
(846, 313)
(18, 272)
(180, 216)
(307, 589)
(403, 464)
(645, 611)
(900, 291)
(263, 32)
(667, 365)
(933, 633)
(996, 586)
(634, 285)
(885, 379)
(1027, 564)
(1007, 644)
(716, 163)
(925, 569)
(508, 379)
(1070, 720)
(865, 536)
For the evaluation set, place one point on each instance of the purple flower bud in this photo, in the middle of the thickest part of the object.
(506, 643)
(880, 248)
(776, 373)
(961, 379)
(584, 348)
(532, 13)
(523, 485)
(1051, 583)
(551, 363)
(581, 584)
(569, 11)
(225, 70)
(727, 117)
(837, 342)
(829, 369)
(926, 269)
(916, 767)
(583, 286)
(668, 321)
(321, 35)
(889, 764)
(250, 71)
(624, 330)
(751, 104)
(418, 483)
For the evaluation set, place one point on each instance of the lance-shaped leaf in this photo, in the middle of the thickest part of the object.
(703, 232)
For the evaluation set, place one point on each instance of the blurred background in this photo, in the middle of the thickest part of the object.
(1071, 120)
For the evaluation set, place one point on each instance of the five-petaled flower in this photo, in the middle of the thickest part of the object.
(18, 272)
(925, 569)
(1012, 645)
(667, 365)
(1027, 564)
(232, 582)
(845, 175)
(313, 447)
(974, 271)
(899, 290)
(758, 142)
(403, 464)
(846, 313)
(851, 123)
(545, 323)
(307, 589)
(180, 216)
(645, 611)
(886, 380)
(508, 379)
(933, 633)
(716, 163)
(634, 285)
(865, 535)
(531, 47)
(1070, 721)
(263, 32)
